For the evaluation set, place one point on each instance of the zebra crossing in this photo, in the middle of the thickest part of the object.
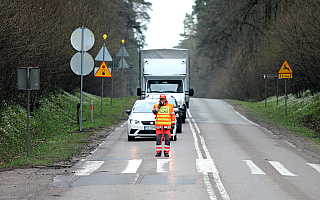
(162, 166)
(132, 166)
(277, 166)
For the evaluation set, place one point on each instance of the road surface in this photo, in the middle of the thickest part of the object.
(219, 155)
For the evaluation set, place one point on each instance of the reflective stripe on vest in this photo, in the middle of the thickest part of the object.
(163, 116)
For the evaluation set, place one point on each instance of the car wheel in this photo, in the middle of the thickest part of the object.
(183, 120)
(174, 138)
(179, 129)
(130, 138)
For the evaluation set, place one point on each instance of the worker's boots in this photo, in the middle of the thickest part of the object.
(158, 154)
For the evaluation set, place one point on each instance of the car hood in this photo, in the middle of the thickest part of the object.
(143, 116)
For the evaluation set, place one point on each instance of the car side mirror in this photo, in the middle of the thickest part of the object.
(139, 91)
(191, 92)
(128, 111)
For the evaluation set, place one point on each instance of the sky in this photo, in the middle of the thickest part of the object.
(166, 23)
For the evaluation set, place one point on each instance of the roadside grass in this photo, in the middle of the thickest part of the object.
(54, 130)
(303, 114)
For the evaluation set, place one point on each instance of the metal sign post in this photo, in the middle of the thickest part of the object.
(104, 44)
(81, 72)
(28, 79)
(103, 56)
(115, 65)
(122, 53)
(82, 39)
(285, 72)
(268, 76)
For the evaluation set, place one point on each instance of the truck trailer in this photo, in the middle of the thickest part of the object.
(165, 71)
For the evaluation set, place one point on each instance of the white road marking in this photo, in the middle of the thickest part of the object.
(204, 164)
(281, 169)
(206, 178)
(243, 117)
(161, 165)
(315, 166)
(132, 167)
(88, 168)
(254, 168)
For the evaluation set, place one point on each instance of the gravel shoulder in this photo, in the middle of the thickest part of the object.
(35, 182)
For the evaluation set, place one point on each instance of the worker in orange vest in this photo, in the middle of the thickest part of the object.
(165, 122)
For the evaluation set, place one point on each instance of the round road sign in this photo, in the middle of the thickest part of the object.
(76, 39)
(87, 65)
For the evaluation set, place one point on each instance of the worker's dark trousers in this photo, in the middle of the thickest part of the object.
(163, 135)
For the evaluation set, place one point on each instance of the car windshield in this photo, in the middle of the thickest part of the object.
(143, 107)
(172, 101)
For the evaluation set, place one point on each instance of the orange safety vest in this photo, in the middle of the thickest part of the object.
(165, 116)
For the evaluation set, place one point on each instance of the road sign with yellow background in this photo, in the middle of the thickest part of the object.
(103, 71)
(285, 71)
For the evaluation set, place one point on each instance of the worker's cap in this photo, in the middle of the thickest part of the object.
(162, 96)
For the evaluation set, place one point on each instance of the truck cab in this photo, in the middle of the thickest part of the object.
(165, 71)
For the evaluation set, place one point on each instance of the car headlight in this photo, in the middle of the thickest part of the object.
(133, 121)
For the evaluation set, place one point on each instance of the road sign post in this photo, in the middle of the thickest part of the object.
(103, 70)
(285, 72)
(123, 64)
(268, 76)
(28, 79)
(82, 39)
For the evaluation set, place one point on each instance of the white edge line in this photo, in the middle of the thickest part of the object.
(240, 114)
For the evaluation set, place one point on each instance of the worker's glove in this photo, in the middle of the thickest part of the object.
(172, 126)
(161, 103)
(155, 111)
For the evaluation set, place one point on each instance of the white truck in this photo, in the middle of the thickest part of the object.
(165, 71)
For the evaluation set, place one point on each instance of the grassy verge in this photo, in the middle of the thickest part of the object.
(54, 130)
(302, 114)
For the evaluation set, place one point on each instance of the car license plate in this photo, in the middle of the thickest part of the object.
(149, 128)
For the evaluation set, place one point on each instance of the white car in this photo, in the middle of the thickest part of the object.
(141, 120)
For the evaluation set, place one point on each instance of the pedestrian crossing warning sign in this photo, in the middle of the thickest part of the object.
(103, 71)
(285, 68)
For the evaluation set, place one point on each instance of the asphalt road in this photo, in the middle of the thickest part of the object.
(219, 155)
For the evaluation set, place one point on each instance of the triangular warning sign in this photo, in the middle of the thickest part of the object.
(103, 71)
(123, 64)
(285, 68)
(123, 52)
(105, 57)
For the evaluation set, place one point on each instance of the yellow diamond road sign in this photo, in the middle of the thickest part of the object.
(285, 68)
(103, 71)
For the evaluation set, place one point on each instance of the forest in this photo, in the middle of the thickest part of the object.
(37, 33)
(233, 43)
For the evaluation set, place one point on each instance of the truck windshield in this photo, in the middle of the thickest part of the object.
(172, 86)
